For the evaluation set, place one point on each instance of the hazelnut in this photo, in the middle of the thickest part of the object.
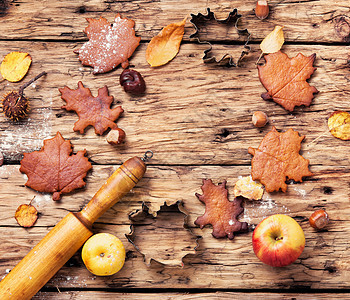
(259, 119)
(262, 9)
(116, 136)
(319, 219)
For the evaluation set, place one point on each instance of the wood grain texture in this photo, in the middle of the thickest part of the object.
(304, 21)
(196, 118)
(217, 263)
(45, 259)
(184, 296)
(204, 120)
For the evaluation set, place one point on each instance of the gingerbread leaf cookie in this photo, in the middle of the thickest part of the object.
(94, 111)
(285, 79)
(108, 45)
(219, 211)
(277, 158)
(54, 169)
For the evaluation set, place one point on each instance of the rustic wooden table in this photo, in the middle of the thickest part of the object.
(196, 118)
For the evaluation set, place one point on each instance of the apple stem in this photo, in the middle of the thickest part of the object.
(279, 238)
(102, 254)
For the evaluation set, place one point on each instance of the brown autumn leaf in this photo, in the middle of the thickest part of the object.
(248, 188)
(108, 45)
(94, 111)
(15, 66)
(26, 215)
(285, 79)
(54, 169)
(219, 211)
(164, 46)
(339, 125)
(277, 158)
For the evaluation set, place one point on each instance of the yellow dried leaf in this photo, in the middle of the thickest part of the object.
(26, 215)
(248, 188)
(273, 41)
(339, 125)
(164, 46)
(15, 66)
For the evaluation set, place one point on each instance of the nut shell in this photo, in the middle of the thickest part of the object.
(116, 136)
(319, 219)
(262, 9)
(259, 119)
(15, 106)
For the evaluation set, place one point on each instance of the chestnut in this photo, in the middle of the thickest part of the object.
(132, 82)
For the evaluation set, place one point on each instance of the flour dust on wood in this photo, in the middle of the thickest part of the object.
(26, 136)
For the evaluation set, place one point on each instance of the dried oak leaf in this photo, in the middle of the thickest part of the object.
(219, 211)
(94, 111)
(277, 158)
(285, 79)
(26, 215)
(54, 169)
(15, 66)
(164, 46)
(339, 125)
(108, 45)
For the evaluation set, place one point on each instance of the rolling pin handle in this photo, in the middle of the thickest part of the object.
(147, 156)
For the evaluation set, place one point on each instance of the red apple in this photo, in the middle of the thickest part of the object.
(278, 240)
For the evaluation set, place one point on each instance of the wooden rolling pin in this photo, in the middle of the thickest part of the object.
(60, 244)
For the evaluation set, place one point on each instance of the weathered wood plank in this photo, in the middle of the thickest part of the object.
(304, 21)
(328, 189)
(192, 113)
(183, 296)
(217, 263)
